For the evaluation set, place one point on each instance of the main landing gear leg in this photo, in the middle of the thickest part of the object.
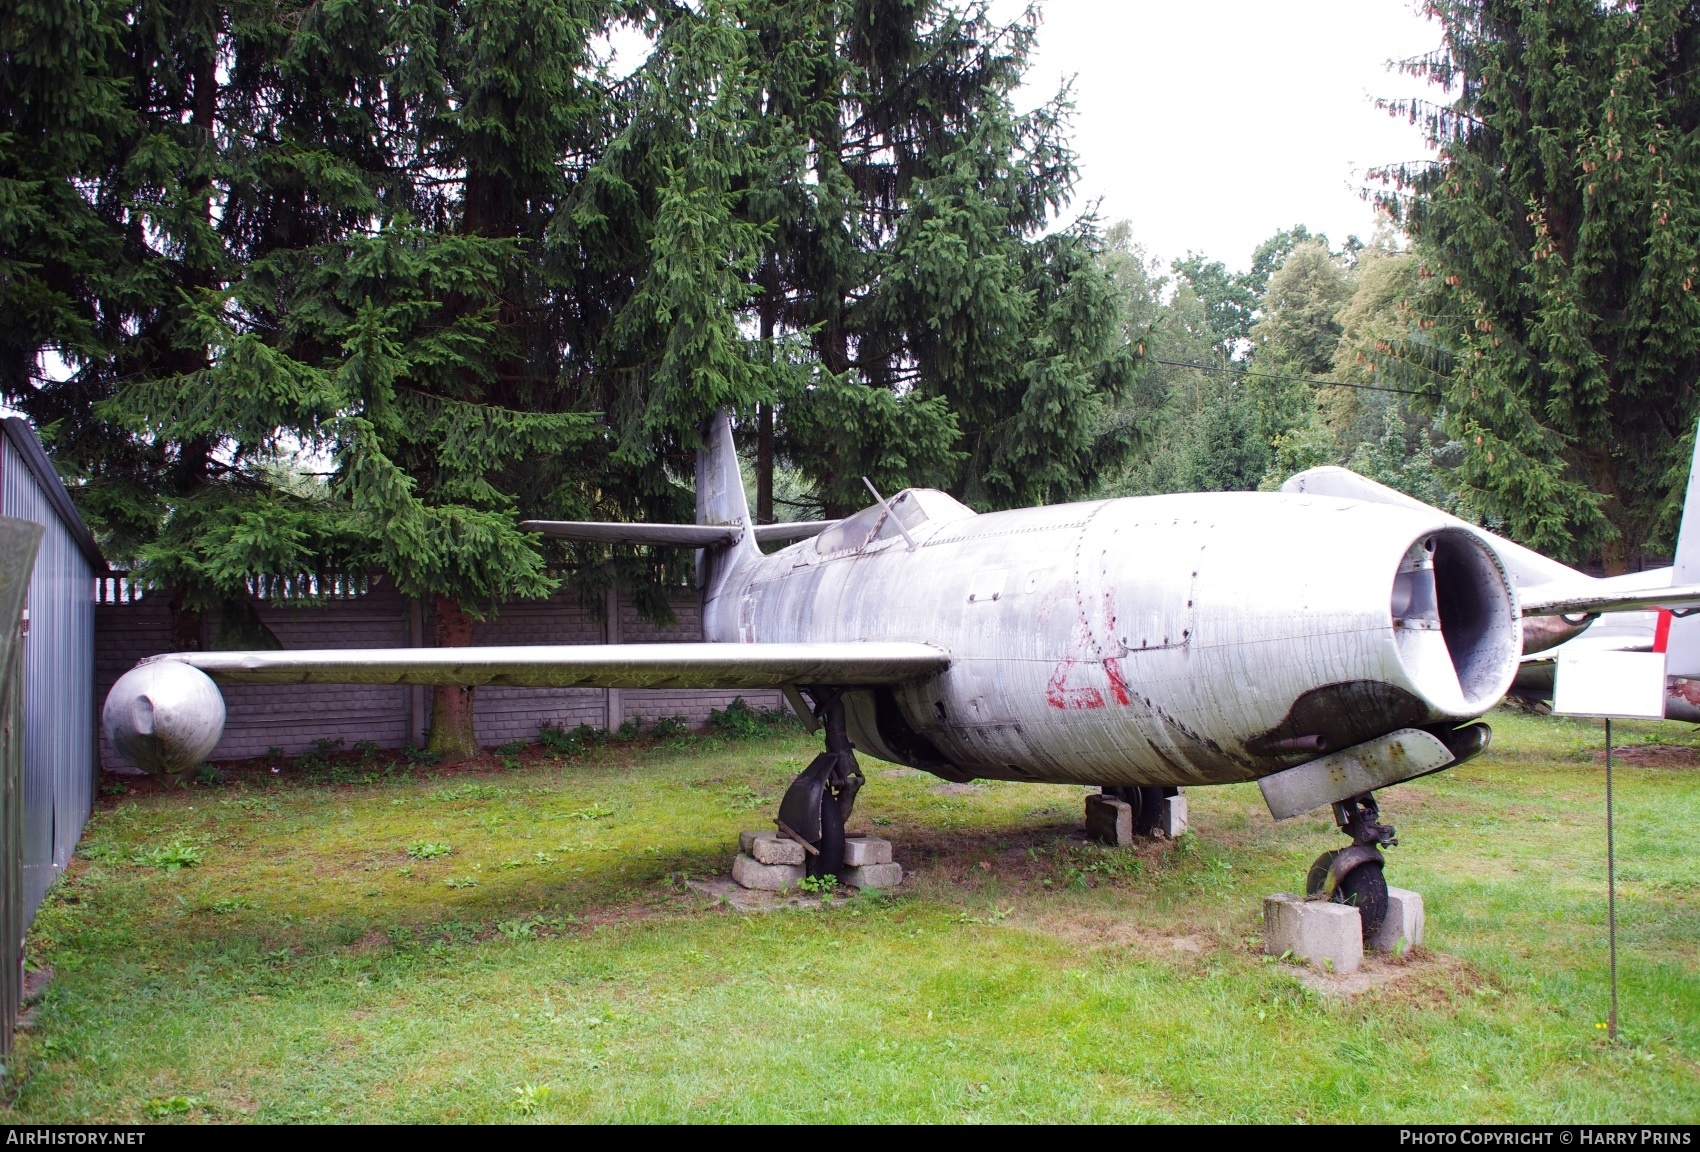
(1147, 805)
(818, 804)
(1354, 875)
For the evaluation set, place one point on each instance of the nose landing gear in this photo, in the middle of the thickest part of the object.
(818, 804)
(1354, 875)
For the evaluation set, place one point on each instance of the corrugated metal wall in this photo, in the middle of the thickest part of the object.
(20, 540)
(60, 724)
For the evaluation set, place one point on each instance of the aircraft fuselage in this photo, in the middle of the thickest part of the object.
(1202, 638)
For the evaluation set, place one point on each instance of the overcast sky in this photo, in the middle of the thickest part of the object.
(1210, 124)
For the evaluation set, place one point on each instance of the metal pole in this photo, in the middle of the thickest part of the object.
(416, 692)
(614, 713)
(1611, 891)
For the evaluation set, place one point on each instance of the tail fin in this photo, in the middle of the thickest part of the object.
(721, 500)
(1682, 652)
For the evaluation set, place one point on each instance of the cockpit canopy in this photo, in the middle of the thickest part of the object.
(914, 508)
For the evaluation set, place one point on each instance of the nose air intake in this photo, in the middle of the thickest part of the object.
(1455, 622)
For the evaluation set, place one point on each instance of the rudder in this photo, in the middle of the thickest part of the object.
(721, 500)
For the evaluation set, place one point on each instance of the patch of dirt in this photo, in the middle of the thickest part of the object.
(1374, 973)
(954, 858)
(949, 789)
(376, 938)
(611, 914)
(36, 981)
(1653, 756)
(1103, 930)
(1433, 978)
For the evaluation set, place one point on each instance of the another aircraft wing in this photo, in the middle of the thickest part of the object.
(1544, 586)
(681, 535)
(582, 665)
(1569, 600)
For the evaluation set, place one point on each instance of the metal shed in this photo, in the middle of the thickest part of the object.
(60, 725)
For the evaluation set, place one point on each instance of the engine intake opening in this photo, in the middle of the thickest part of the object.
(1454, 621)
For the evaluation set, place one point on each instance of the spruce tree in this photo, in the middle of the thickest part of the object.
(310, 228)
(353, 288)
(1557, 233)
(924, 326)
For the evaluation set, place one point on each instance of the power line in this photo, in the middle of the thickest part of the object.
(1317, 380)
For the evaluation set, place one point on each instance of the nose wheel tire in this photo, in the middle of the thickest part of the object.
(1364, 888)
(1317, 879)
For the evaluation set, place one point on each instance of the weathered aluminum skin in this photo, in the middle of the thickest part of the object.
(690, 535)
(1204, 638)
(575, 665)
(164, 716)
(1157, 640)
(1398, 756)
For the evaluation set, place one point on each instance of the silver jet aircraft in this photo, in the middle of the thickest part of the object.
(1327, 640)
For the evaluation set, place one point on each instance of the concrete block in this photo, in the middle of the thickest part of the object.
(752, 873)
(886, 875)
(1402, 928)
(1318, 932)
(860, 851)
(1171, 816)
(1109, 820)
(771, 847)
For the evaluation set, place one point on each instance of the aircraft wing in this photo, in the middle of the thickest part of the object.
(581, 665)
(682, 535)
(1570, 600)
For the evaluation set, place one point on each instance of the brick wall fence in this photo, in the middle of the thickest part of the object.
(292, 716)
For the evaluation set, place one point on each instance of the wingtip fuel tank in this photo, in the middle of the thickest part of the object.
(164, 716)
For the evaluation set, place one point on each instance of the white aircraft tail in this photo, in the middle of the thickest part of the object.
(721, 502)
(1682, 652)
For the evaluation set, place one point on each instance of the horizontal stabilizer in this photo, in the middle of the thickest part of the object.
(686, 535)
(582, 665)
(1570, 600)
(682, 535)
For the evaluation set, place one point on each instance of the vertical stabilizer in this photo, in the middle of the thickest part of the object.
(720, 481)
(1683, 652)
(721, 500)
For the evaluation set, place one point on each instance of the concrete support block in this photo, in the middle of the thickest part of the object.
(1402, 929)
(1171, 816)
(885, 875)
(1110, 821)
(860, 851)
(752, 873)
(1328, 935)
(771, 847)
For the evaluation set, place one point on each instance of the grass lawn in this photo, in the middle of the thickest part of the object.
(515, 941)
